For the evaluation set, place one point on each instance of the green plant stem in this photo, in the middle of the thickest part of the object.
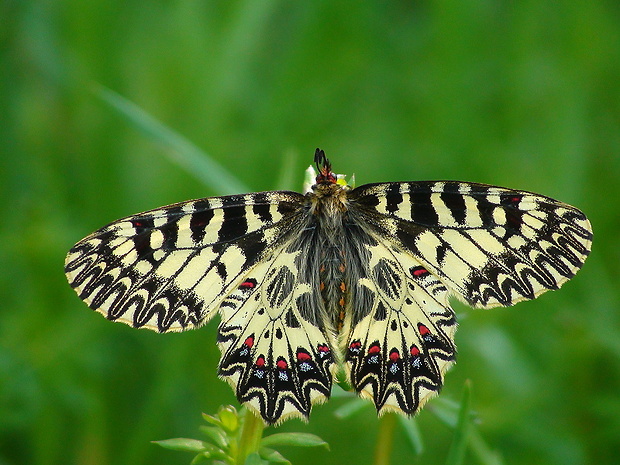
(251, 434)
(385, 439)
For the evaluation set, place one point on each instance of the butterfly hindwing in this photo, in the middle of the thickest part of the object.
(399, 351)
(490, 245)
(275, 353)
(168, 269)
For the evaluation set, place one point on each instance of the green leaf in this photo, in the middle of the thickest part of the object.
(229, 417)
(185, 444)
(293, 439)
(255, 459)
(272, 455)
(213, 420)
(201, 458)
(456, 454)
(215, 434)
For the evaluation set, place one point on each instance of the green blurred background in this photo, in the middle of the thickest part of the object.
(520, 94)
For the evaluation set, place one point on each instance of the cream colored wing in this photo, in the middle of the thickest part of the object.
(490, 245)
(276, 344)
(169, 269)
(400, 344)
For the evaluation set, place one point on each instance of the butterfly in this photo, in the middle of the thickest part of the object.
(358, 278)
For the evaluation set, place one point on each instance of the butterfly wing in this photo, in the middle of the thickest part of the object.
(172, 268)
(255, 258)
(168, 269)
(489, 245)
(276, 347)
(401, 342)
(426, 241)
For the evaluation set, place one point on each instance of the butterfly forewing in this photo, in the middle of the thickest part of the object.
(490, 245)
(168, 269)
(359, 276)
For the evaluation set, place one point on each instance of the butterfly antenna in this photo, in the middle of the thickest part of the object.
(324, 167)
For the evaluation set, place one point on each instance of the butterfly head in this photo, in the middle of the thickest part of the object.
(330, 180)
(326, 175)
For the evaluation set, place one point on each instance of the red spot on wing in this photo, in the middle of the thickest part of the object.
(248, 284)
(419, 271)
(303, 356)
(374, 349)
(513, 200)
(394, 355)
(260, 361)
(355, 347)
(323, 348)
(249, 341)
(414, 351)
(281, 364)
(140, 223)
(423, 329)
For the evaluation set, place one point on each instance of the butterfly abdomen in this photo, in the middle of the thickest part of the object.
(329, 209)
(332, 282)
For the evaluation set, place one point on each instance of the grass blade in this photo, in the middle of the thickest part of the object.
(456, 454)
(180, 150)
